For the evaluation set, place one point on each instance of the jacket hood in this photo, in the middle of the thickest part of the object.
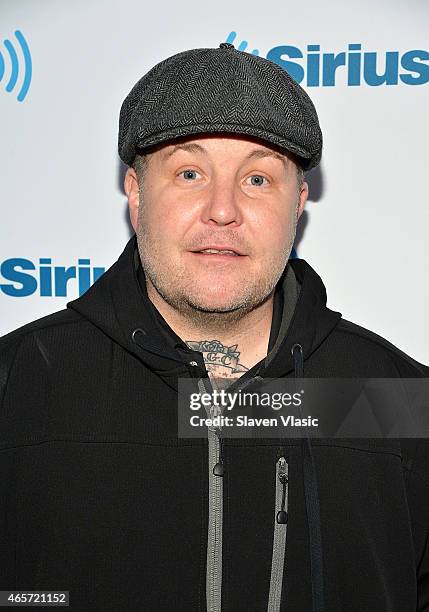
(119, 306)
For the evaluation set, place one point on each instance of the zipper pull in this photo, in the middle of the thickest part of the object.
(282, 516)
(218, 469)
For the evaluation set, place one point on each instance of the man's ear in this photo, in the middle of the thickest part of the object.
(131, 187)
(303, 195)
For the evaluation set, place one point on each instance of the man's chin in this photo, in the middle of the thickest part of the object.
(209, 302)
(214, 306)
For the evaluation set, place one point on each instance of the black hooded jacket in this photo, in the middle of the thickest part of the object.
(100, 497)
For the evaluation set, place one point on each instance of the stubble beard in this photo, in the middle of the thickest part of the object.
(177, 288)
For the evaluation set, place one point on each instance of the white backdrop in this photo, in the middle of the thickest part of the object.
(365, 227)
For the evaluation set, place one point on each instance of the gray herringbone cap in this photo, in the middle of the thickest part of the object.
(219, 90)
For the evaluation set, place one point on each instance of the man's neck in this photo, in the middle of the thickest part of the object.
(229, 349)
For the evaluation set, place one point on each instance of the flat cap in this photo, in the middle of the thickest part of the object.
(219, 90)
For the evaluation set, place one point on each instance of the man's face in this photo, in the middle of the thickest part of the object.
(215, 193)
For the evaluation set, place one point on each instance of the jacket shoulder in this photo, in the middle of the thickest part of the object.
(23, 336)
(61, 317)
(370, 342)
(20, 341)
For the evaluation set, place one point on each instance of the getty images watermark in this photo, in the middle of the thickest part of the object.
(323, 408)
(220, 400)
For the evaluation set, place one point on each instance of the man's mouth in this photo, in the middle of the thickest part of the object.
(217, 252)
(226, 250)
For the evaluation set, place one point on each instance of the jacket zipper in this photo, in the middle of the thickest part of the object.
(214, 536)
(215, 519)
(279, 537)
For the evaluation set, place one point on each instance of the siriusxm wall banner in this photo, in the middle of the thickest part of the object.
(65, 68)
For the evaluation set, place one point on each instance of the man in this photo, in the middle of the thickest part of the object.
(99, 495)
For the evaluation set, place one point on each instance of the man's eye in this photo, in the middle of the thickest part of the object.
(257, 180)
(189, 175)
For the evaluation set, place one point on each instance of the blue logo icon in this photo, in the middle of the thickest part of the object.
(354, 67)
(11, 57)
(242, 46)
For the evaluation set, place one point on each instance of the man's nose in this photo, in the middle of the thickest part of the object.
(222, 205)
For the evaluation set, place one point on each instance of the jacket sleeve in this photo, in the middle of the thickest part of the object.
(416, 467)
(8, 352)
(423, 581)
(417, 485)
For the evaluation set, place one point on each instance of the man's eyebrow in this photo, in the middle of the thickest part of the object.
(259, 153)
(193, 147)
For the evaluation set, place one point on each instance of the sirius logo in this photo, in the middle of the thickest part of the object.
(354, 67)
(15, 67)
(242, 46)
(26, 278)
